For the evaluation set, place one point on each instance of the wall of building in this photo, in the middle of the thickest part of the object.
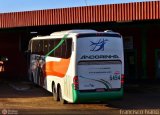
(153, 47)
(10, 47)
(146, 44)
(140, 61)
(133, 52)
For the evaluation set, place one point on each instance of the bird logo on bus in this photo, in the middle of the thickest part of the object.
(98, 46)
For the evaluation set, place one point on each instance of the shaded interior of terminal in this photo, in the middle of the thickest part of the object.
(141, 48)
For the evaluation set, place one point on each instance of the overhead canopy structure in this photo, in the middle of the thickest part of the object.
(89, 14)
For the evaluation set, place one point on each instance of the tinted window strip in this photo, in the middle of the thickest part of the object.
(99, 35)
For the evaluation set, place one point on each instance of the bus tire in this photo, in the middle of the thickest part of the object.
(62, 101)
(54, 92)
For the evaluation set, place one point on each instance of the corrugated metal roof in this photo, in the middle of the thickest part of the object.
(101, 13)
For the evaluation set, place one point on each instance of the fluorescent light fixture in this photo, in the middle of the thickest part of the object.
(34, 32)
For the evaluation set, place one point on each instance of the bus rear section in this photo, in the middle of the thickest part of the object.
(100, 67)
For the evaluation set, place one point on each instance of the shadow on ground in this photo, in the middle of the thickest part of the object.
(21, 89)
(138, 97)
(135, 96)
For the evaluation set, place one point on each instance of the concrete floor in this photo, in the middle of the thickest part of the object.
(30, 99)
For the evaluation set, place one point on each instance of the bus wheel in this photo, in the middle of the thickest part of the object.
(55, 95)
(62, 101)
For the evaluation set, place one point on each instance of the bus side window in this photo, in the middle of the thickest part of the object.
(45, 47)
(51, 46)
(58, 50)
(64, 49)
(34, 46)
(69, 48)
(40, 47)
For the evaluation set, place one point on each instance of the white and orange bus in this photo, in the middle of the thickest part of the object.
(78, 65)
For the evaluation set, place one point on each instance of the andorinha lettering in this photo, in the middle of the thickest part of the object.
(99, 56)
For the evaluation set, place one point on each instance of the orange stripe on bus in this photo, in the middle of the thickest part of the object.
(58, 69)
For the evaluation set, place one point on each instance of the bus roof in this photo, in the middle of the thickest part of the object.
(73, 31)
